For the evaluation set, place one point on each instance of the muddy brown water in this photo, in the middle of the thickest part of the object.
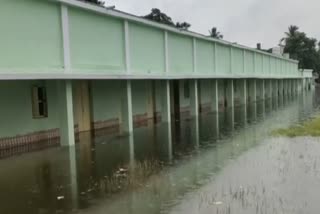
(225, 163)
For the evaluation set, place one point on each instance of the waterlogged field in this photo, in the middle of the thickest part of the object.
(232, 163)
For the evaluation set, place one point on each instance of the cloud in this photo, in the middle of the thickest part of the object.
(243, 21)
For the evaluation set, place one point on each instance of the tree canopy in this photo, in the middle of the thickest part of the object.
(214, 33)
(183, 25)
(98, 2)
(302, 48)
(157, 16)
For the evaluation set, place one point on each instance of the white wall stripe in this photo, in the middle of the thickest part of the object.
(127, 47)
(65, 38)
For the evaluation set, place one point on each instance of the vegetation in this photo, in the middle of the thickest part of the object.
(125, 178)
(95, 2)
(157, 16)
(214, 33)
(309, 128)
(302, 48)
(183, 25)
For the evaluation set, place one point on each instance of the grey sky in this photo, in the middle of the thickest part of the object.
(243, 21)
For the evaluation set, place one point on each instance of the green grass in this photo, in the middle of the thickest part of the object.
(308, 128)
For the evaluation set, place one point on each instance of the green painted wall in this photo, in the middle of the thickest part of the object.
(249, 60)
(16, 108)
(139, 97)
(223, 59)
(237, 61)
(30, 36)
(97, 42)
(106, 98)
(273, 66)
(106, 102)
(146, 49)
(266, 64)
(205, 90)
(259, 64)
(205, 57)
(32, 42)
(180, 54)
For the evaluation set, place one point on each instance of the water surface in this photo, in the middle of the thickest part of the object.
(222, 163)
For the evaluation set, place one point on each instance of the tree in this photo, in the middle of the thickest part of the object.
(157, 16)
(214, 33)
(95, 2)
(183, 25)
(302, 48)
(292, 31)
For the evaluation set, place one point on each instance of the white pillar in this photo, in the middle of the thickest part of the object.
(253, 90)
(66, 113)
(269, 88)
(194, 100)
(126, 107)
(73, 176)
(216, 129)
(298, 86)
(194, 111)
(288, 87)
(243, 91)
(165, 102)
(215, 96)
(293, 91)
(165, 128)
(150, 101)
(274, 87)
(230, 93)
(281, 87)
(261, 89)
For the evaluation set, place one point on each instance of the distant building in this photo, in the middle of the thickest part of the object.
(279, 50)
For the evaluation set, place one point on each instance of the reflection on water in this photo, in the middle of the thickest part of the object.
(219, 163)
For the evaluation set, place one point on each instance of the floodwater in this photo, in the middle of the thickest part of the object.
(225, 163)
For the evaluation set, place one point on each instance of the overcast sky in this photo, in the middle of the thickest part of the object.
(246, 22)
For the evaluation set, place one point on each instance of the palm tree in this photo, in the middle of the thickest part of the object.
(293, 32)
(214, 33)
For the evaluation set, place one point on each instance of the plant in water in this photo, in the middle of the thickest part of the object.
(308, 128)
(126, 178)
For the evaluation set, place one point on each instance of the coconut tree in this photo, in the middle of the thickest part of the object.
(292, 35)
(214, 33)
(292, 31)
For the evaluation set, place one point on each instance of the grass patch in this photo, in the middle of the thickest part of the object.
(308, 128)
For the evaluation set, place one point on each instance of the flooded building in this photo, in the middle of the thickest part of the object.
(67, 67)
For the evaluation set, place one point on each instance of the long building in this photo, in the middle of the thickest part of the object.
(67, 66)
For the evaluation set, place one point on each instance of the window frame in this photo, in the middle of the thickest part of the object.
(37, 112)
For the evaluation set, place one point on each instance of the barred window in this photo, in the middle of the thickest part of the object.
(39, 102)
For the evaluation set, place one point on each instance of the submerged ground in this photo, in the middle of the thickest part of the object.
(308, 128)
(231, 165)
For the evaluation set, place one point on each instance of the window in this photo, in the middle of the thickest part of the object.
(39, 102)
(186, 89)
